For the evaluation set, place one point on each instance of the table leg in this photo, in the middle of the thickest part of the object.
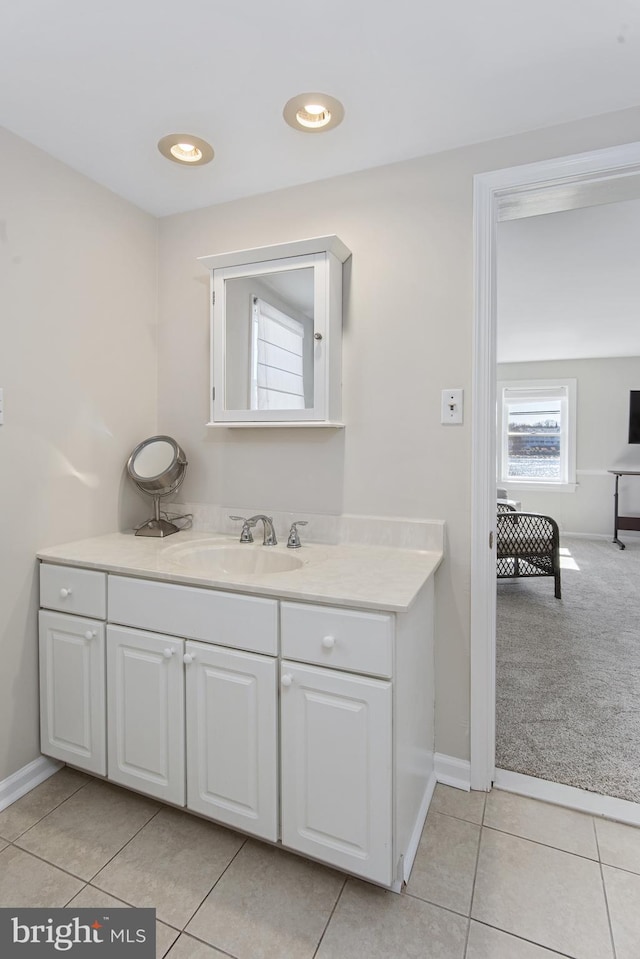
(615, 516)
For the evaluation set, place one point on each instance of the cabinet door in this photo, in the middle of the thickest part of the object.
(72, 690)
(336, 768)
(232, 760)
(145, 698)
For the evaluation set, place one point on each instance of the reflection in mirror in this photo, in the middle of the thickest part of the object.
(269, 341)
(153, 459)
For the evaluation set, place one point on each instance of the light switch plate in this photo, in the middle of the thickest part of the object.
(452, 407)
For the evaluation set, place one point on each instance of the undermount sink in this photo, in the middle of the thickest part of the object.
(214, 557)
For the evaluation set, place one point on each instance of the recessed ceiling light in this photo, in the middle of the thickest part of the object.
(184, 148)
(313, 112)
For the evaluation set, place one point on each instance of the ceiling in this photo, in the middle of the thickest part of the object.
(569, 284)
(98, 84)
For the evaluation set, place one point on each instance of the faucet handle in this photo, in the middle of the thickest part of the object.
(294, 540)
(246, 536)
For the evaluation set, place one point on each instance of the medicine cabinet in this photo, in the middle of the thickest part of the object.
(276, 334)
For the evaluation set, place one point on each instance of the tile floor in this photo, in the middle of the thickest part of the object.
(496, 877)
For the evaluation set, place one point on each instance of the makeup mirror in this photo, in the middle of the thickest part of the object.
(157, 466)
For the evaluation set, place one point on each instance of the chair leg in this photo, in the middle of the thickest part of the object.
(556, 579)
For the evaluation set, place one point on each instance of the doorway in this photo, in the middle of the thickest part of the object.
(567, 183)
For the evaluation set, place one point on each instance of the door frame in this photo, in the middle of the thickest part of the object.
(489, 191)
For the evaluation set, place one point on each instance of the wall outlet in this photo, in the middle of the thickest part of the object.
(452, 407)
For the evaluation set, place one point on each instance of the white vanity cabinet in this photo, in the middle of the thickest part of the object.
(293, 721)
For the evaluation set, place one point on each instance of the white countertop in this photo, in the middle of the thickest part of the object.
(371, 577)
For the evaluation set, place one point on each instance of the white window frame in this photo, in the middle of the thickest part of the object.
(567, 388)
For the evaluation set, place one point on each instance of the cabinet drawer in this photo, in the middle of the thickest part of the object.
(243, 622)
(71, 590)
(343, 639)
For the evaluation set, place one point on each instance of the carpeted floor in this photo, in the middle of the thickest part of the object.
(568, 671)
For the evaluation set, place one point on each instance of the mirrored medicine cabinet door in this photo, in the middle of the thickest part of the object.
(276, 339)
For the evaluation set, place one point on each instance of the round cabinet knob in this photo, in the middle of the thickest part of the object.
(65, 591)
(168, 653)
(328, 642)
(287, 679)
(317, 336)
(188, 658)
(90, 634)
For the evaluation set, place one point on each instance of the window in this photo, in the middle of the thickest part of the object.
(537, 437)
(277, 359)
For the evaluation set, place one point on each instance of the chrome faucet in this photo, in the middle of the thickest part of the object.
(294, 539)
(246, 536)
(269, 538)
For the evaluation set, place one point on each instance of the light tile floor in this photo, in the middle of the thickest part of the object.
(496, 877)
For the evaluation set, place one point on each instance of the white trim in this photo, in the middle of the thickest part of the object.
(314, 244)
(490, 189)
(452, 772)
(568, 532)
(307, 424)
(598, 165)
(414, 841)
(26, 779)
(539, 487)
(483, 466)
(570, 796)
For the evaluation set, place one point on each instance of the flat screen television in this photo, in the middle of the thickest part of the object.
(634, 417)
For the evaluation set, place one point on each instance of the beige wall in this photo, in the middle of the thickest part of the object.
(78, 314)
(602, 424)
(408, 334)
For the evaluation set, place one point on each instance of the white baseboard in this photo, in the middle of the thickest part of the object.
(560, 795)
(570, 532)
(628, 534)
(26, 779)
(453, 772)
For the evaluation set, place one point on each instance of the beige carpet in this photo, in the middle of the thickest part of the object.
(568, 671)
